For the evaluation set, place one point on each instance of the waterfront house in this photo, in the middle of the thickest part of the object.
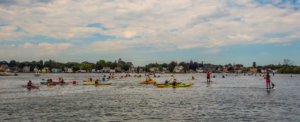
(56, 70)
(3, 67)
(44, 70)
(106, 69)
(26, 69)
(69, 70)
(112, 71)
(66, 69)
(118, 69)
(35, 69)
(93, 70)
(178, 69)
(253, 70)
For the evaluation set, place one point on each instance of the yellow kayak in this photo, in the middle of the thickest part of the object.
(187, 85)
(193, 78)
(139, 77)
(88, 80)
(99, 84)
(149, 82)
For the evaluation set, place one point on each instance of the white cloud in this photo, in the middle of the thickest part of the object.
(150, 20)
(212, 51)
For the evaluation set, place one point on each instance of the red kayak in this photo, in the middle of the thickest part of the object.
(35, 87)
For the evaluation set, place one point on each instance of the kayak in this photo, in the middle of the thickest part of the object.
(193, 78)
(149, 82)
(111, 78)
(50, 84)
(46, 82)
(99, 84)
(34, 87)
(93, 80)
(187, 85)
(157, 84)
(139, 77)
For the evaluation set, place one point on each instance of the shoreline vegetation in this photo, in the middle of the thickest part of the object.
(120, 66)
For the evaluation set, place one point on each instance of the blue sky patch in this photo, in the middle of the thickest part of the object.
(97, 25)
(18, 29)
(276, 35)
(174, 30)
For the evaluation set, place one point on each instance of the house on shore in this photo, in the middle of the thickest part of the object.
(178, 69)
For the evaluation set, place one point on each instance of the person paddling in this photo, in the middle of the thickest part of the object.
(166, 82)
(103, 79)
(208, 77)
(174, 82)
(96, 81)
(29, 83)
(268, 81)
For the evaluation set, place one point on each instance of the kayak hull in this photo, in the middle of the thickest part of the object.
(92, 80)
(193, 78)
(162, 86)
(50, 84)
(158, 84)
(139, 77)
(33, 87)
(99, 84)
(149, 82)
(46, 82)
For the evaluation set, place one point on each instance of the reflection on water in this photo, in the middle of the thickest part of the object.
(234, 98)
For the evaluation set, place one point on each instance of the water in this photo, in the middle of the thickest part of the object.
(241, 98)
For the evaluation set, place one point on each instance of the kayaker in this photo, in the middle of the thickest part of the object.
(29, 83)
(208, 77)
(146, 80)
(268, 81)
(158, 75)
(174, 82)
(108, 77)
(96, 81)
(223, 76)
(193, 77)
(166, 82)
(103, 78)
(62, 81)
(91, 79)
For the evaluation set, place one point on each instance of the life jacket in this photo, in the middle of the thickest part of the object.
(91, 78)
(29, 84)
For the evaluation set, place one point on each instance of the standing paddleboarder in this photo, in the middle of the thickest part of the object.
(268, 81)
(208, 77)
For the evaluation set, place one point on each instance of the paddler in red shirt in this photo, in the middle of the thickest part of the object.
(208, 77)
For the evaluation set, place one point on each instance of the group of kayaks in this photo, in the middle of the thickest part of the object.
(161, 85)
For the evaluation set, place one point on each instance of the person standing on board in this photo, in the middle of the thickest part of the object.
(268, 81)
(208, 77)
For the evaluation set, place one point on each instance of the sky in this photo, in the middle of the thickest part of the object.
(149, 31)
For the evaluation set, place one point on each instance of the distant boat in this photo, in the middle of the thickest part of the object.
(37, 74)
(6, 74)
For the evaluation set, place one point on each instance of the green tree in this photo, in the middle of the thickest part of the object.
(160, 68)
(126, 66)
(171, 66)
(12, 63)
(75, 68)
(230, 68)
(165, 65)
(86, 67)
(296, 70)
(185, 66)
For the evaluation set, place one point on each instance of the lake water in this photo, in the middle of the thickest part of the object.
(234, 98)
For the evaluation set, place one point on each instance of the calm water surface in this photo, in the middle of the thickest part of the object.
(234, 98)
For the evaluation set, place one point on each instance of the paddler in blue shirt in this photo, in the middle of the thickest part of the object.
(166, 82)
(103, 79)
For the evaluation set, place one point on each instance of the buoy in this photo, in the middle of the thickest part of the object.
(74, 82)
(67, 82)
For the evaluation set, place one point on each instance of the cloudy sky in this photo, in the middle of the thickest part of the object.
(144, 31)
